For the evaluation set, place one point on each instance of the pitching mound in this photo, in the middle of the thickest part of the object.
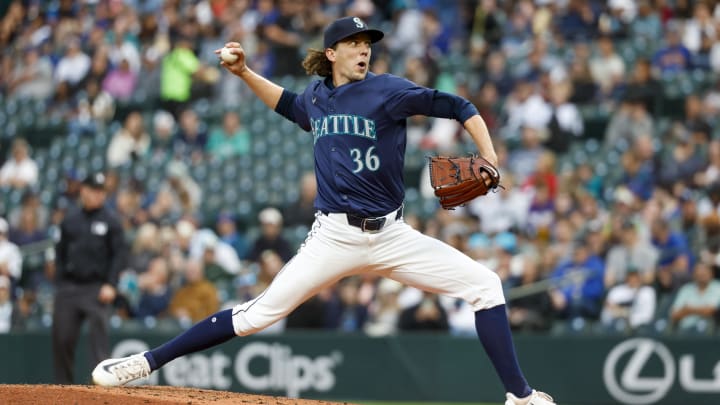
(94, 395)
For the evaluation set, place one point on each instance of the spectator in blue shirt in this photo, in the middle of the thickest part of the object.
(579, 22)
(674, 57)
(226, 227)
(675, 259)
(579, 284)
(155, 292)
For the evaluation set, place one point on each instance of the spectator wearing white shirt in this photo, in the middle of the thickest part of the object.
(607, 68)
(121, 48)
(6, 305)
(20, 171)
(631, 302)
(700, 33)
(697, 301)
(525, 107)
(73, 66)
(631, 253)
(10, 257)
(565, 123)
(710, 204)
(504, 210)
(32, 78)
(129, 142)
(198, 241)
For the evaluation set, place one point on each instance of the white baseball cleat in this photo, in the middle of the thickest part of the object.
(536, 398)
(116, 372)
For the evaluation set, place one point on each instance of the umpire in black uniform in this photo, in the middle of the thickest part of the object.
(89, 256)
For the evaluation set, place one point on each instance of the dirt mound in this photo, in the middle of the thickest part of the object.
(94, 395)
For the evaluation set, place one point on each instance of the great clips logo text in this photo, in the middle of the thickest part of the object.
(258, 366)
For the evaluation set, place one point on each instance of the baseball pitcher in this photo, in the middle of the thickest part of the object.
(358, 123)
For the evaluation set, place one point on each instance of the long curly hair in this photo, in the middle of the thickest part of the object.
(316, 63)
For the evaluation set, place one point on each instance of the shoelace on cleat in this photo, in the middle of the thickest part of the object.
(130, 370)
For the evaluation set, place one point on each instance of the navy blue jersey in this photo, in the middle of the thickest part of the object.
(359, 132)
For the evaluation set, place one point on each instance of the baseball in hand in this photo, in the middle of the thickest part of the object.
(227, 56)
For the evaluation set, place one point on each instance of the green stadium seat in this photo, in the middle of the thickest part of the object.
(686, 85)
(261, 195)
(276, 159)
(51, 173)
(277, 182)
(15, 197)
(260, 171)
(230, 173)
(292, 194)
(139, 172)
(303, 140)
(245, 183)
(290, 148)
(11, 107)
(616, 327)
(291, 171)
(229, 197)
(84, 149)
(101, 140)
(199, 173)
(46, 195)
(258, 107)
(244, 207)
(600, 169)
(259, 148)
(702, 328)
(97, 162)
(276, 197)
(274, 137)
(591, 146)
(11, 128)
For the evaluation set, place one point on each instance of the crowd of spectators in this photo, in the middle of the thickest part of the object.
(619, 245)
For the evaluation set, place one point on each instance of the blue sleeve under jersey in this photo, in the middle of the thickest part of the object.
(284, 107)
(291, 107)
(405, 99)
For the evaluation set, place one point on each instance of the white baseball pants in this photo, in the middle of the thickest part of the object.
(334, 250)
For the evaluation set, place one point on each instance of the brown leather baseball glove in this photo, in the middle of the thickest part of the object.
(457, 180)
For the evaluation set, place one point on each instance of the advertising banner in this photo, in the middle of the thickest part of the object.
(574, 369)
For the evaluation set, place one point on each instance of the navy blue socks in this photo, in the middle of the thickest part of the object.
(494, 333)
(213, 330)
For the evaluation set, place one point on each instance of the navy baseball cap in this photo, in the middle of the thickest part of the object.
(95, 180)
(347, 26)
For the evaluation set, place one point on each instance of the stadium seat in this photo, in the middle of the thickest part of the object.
(600, 168)
(245, 183)
(290, 147)
(229, 172)
(274, 137)
(11, 129)
(101, 140)
(244, 207)
(259, 148)
(97, 162)
(292, 194)
(701, 328)
(260, 171)
(11, 107)
(276, 160)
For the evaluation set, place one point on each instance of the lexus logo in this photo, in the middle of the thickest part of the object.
(632, 388)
